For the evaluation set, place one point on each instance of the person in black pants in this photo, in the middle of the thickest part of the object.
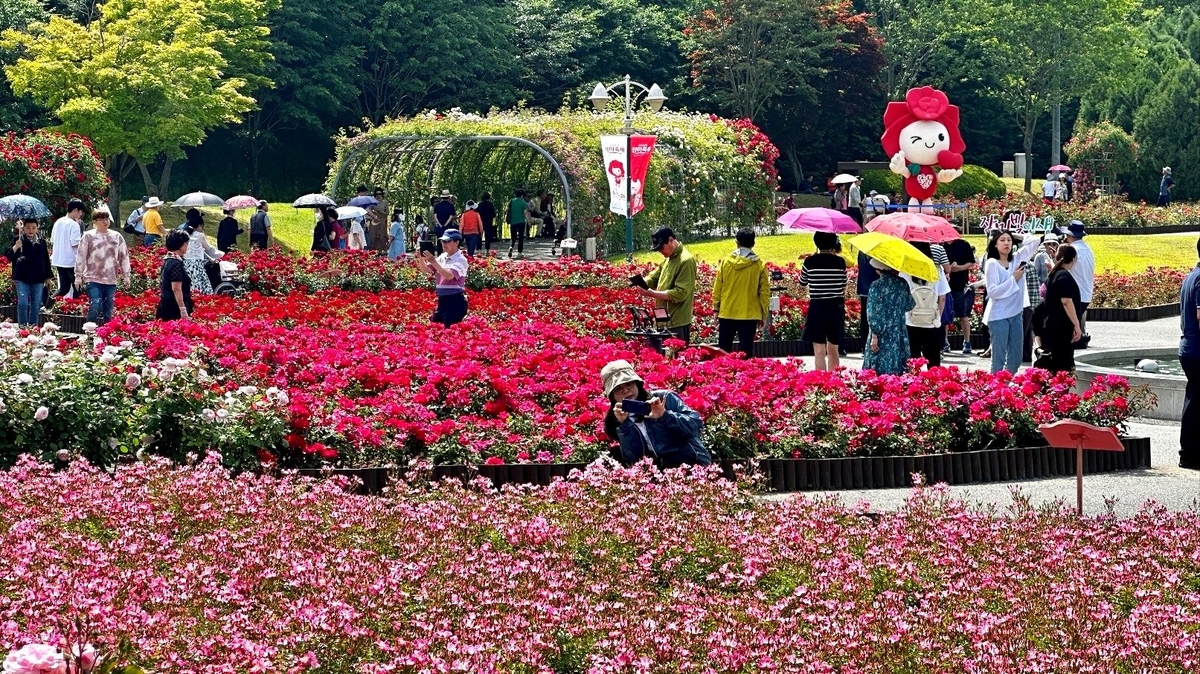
(487, 213)
(1189, 358)
(741, 295)
(866, 276)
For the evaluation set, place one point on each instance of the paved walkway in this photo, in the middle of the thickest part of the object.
(1164, 483)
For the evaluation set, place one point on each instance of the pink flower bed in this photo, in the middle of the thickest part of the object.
(615, 571)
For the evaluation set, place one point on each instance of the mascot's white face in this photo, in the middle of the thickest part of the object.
(922, 141)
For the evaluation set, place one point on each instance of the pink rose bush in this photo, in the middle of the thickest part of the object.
(614, 570)
(35, 659)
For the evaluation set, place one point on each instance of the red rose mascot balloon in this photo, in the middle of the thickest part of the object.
(920, 133)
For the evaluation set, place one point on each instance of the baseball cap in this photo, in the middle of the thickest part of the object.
(451, 235)
(660, 237)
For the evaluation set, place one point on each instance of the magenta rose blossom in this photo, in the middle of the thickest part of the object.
(35, 659)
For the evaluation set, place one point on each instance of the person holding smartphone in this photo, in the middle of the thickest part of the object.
(450, 278)
(656, 424)
(31, 272)
(1004, 276)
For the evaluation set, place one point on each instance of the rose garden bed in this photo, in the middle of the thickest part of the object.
(332, 376)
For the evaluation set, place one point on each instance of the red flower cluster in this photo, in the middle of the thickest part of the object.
(371, 382)
(52, 167)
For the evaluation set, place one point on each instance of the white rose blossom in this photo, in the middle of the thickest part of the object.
(42, 413)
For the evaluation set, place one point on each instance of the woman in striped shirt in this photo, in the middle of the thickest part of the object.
(825, 276)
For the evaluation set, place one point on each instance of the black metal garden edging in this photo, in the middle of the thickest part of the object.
(1134, 314)
(791, 475)
(65, 323)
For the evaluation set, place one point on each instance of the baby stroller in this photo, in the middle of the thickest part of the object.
(230, 281)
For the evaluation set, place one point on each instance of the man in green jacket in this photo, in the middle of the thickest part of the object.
(673, 284)
(741, 295)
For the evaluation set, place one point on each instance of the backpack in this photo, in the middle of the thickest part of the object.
(925, 310)
(258, 224)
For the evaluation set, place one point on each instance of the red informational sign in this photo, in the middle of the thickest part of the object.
(640, 150)
(1071, 434)
(1076, 435)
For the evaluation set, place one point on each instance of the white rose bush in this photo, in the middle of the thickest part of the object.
(79, 397)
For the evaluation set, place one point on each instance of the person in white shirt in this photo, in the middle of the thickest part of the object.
(926, 334)
(133, 224)
(854, 202)
(357, 240)
(1004, 275)
(449, 271)
(1084, 271)
(64, 244)
(876, 205)
(1049, 189)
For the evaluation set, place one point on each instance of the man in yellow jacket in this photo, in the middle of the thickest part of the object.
(741, 295)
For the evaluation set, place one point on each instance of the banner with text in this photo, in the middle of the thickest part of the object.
(626, 180)
(1018, 222)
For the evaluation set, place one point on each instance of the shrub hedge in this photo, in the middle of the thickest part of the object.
(975, 181)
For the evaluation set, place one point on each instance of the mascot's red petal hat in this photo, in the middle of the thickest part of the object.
(923, 103)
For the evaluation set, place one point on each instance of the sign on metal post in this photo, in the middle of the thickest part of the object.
(1076, 435)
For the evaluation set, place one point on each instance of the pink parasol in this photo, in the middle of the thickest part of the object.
(1060, 167)
(241, 201)
(819, 220)
(914, 227)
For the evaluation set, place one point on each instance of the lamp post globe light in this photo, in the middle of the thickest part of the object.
(652, 96)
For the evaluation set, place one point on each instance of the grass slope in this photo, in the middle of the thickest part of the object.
(292, 226)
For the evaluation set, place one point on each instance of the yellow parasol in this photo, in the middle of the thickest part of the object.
(895, 253)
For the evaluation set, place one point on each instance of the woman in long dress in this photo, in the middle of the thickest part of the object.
(199, 251)
(888, 301)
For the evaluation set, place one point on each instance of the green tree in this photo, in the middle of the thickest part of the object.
(744, 53)
(314, 71)
(569, 45)
(436, 54)
(146, 78)
(1047, 53)
(1151, 104)
(17, 112)
(841, 122)
(923, 42)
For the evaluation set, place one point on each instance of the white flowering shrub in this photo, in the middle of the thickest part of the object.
(62, 398)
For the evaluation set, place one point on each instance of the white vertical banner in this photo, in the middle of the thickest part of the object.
(615, 150)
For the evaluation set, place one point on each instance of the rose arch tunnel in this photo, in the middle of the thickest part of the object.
(413, 168)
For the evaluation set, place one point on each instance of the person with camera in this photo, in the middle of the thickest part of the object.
(656, 424)
(450, 278)
(672, 285)
(31, 271)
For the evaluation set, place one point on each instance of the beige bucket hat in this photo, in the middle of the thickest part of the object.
(616, 373)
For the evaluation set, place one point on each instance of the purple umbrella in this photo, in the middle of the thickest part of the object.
(819, 220)
(363, 202)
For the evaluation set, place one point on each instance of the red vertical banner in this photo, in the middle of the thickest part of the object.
(640, 150)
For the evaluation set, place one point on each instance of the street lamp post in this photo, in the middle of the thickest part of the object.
(655, 98)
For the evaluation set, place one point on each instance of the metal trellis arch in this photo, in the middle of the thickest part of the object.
(410, 168)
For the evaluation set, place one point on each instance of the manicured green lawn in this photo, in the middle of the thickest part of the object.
(1125, 254)
(1018, 185)
(292, 226)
